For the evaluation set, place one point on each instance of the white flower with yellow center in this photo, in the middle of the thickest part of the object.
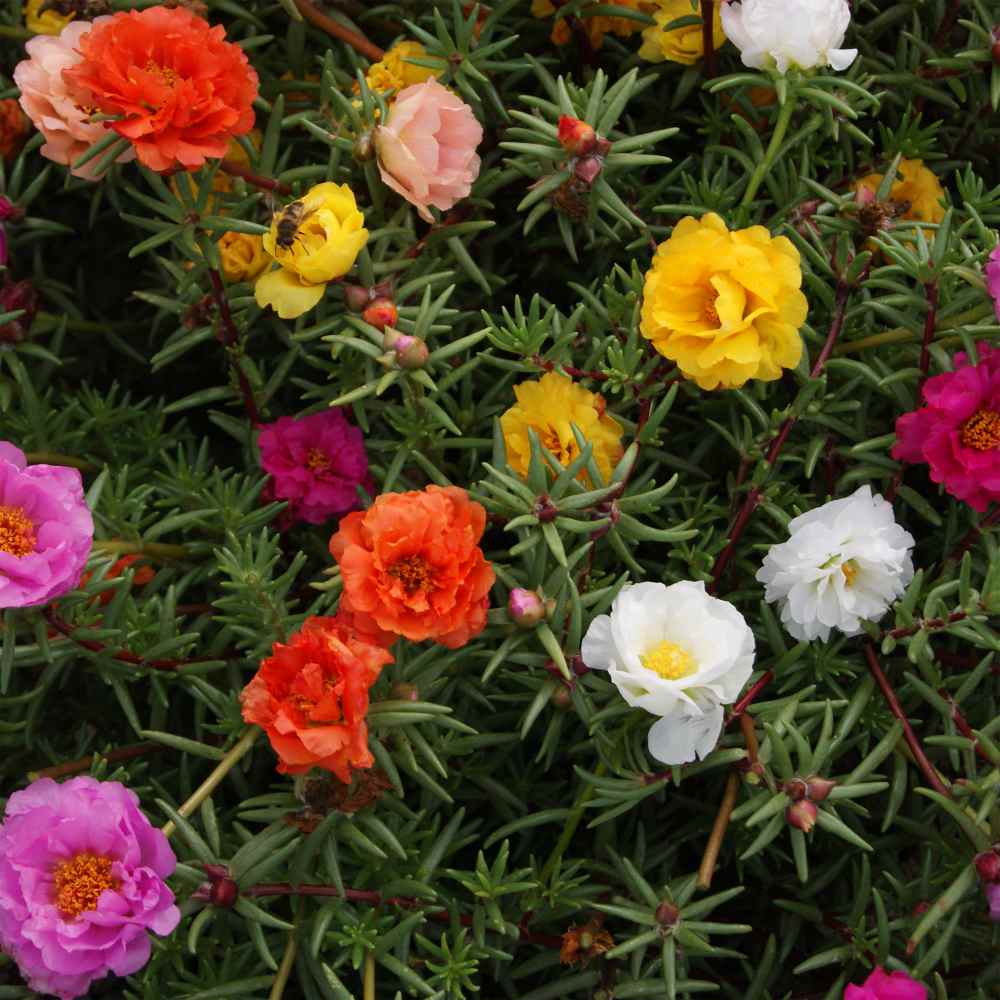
(844, 563)
(678, 653)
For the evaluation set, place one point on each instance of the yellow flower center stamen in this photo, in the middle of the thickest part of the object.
(413, 572)
(850, 571)
(317, 460)
(982, 430)
(669, 661)
(710, 313)
(17, 533)
(167, 76)
(79, 882)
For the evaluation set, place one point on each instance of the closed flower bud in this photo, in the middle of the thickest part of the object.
(410, 352)
(818, 788)
(224, 893)
(356, 297)
(587, 169)
(988, 865)
(667, 915)
(381, 313)
(796, 789)
(363, 150)
(576, 137)
(545, 510)
(526, 608)
(801, 815)
(562, 698)
(14, 296)
(9, 212)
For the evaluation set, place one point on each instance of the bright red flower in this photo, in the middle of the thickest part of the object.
(182, 89)
(412, 564)
(311, 697)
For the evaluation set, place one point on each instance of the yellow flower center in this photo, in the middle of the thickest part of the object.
(167, 76)
(317, 460)
(413, 572)
(669, 661)
(982, 430)
(80, 881)
(17, 533)
(850, 571)
(710, 313)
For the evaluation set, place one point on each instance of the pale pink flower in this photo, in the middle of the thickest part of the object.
(57, 109)
(427, 147)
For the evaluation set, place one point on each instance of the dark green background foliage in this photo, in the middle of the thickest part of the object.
(517, 806)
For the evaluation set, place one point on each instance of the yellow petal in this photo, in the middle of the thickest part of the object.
(286, 293)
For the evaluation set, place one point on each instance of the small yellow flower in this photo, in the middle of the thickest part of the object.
(549, 407)
(597, 26)
(242, 256)
(681, 45)
(726, 306)
(394, 71)
(328, 239)
(915, 187)
(48, 22)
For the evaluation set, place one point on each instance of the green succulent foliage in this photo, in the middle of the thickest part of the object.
(513, 796)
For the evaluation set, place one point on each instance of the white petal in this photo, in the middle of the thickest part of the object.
(598, 650)
(681, 738)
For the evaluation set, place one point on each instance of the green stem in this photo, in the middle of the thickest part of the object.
(777, 137)
(55, 458)
(571, 824)
(158, 550)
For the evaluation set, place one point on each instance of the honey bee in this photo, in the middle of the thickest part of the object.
(287, 222)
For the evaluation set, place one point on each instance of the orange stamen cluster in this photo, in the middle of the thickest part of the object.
(17, 533)
(317, 460)
(413, 572)
(982, 430)
(79, 882)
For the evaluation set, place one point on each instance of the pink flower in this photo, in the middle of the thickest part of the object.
(992, 272)
(46, 530)
(882, 985)
(81, 881)
(427, 147)
(993, 898)
(958, 432)
(59, 110)
(317, 464)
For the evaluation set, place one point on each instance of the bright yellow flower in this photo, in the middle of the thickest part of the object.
(328, 238)
(394, 72)
(549, 406)
(596, 27)
(47, 22)
(726, 306)
(681, 45)
(242, 256)
(915, 187)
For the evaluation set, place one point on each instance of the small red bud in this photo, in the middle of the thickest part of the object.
(224, 893)
(545, 510)
(411, 352)
(988, 866)
(818, 788)
(404, 692)
(526, 607)
(796, 789)
(801, 815)
(356, 297)
(587, 169)
(381, 313)
(562, 698)
(667, 915)
(575, 136)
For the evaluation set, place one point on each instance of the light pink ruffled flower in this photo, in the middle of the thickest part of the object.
(958, 432)
(81, 883)
(46, 530)
(57, 109)
(427, 147)
(992, 272)
(882, 985)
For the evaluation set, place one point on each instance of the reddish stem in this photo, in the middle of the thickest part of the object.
(927, 623)
(357, 41)
(708, 36)
(750, 697)
(84, 763)
(229, 337)
(962, 725)
(930, 322)
(264, 183)
(947, 23)
(549, 366)
(933, 778)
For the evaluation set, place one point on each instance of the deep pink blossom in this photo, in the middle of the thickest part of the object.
(957, 432)
(46, 530)
(993, 898)
(81, 883)
(992, 271)
(316, 463)
(882, 985)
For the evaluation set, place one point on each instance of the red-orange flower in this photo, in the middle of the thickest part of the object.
(311, 697)
(14, 126)
(412, 564)
(142, 576)
(182, 89)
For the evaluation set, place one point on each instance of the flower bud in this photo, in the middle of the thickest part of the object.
(402, 691)
(818, 788)
(224, 893)
(801, 815)
(575, 136)
(545, 510)
(411, 352)
(796, 789)
(526, 607)
(587, 169)
(17, 295)
(381, 313)
(364, 148)
(9, 212)
(356, 297)
(667, 915)
(988, 866)
(562, 698)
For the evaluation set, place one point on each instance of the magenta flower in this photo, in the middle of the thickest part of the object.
(992, 271)
(46, 530)
(882, 985)
(958, 432)
(81, 882)
(316, 464)
(993, 898)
